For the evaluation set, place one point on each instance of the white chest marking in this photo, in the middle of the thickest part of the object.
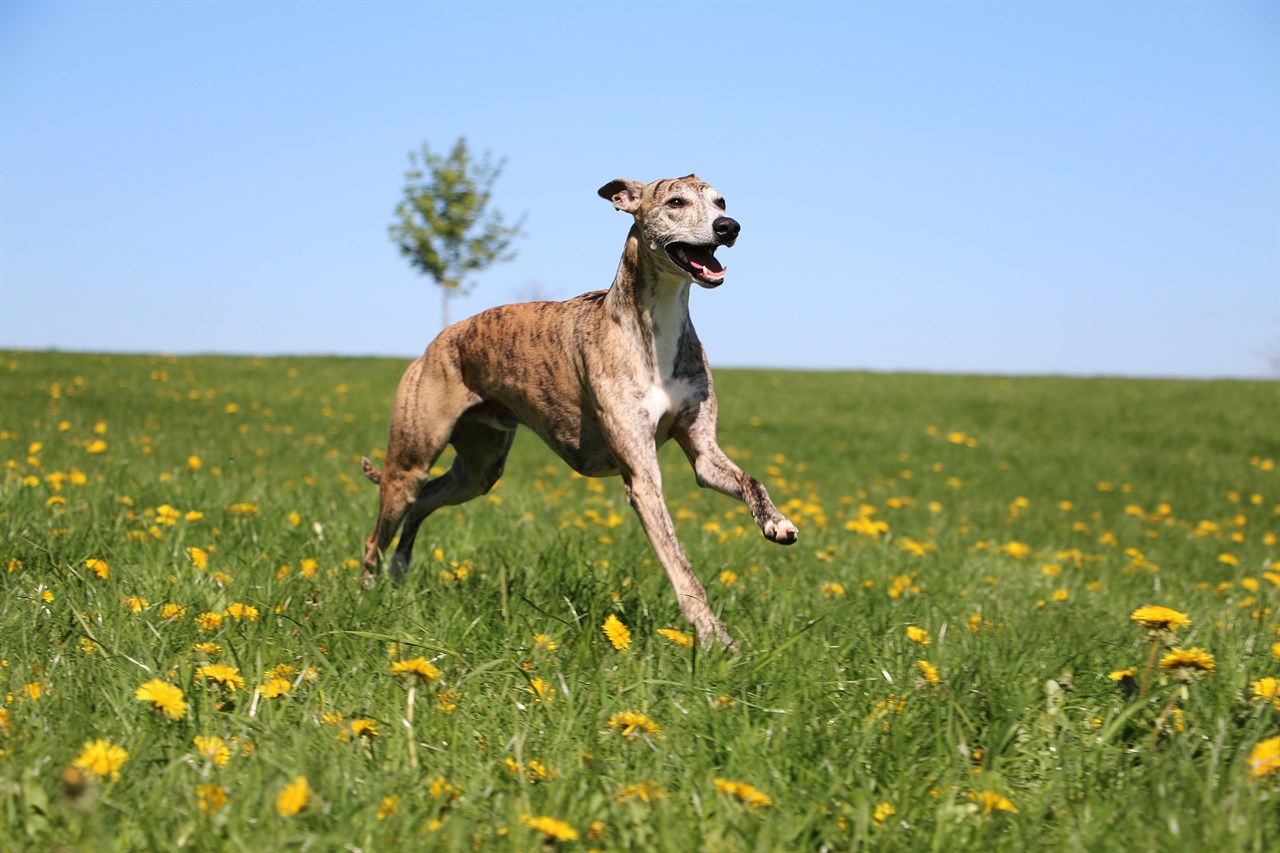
(663, 399)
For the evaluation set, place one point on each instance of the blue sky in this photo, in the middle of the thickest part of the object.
(1082, 188)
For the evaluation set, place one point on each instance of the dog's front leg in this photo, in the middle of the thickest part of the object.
(644, 493)
(715, 470)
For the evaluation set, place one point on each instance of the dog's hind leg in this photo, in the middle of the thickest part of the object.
(481, 457)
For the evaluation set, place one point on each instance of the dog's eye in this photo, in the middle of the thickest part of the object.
(720, 203)
(675, 201)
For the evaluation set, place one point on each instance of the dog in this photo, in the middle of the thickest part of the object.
(604, 379)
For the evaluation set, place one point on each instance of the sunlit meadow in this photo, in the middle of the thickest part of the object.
(1022, 614)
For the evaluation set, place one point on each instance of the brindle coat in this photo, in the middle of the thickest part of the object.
(603, 379)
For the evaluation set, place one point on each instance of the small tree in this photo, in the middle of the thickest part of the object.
(441, 225)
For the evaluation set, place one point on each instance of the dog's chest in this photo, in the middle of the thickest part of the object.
(666, 394)
(662, 401)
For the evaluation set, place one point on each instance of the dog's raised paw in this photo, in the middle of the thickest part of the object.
(783, 532)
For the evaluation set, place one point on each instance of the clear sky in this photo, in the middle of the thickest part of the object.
(1082, 188)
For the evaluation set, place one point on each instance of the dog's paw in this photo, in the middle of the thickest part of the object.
(782, 531)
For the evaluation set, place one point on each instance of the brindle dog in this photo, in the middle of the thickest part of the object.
(603, 379)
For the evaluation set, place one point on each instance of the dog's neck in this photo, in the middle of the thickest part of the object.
(652, 299)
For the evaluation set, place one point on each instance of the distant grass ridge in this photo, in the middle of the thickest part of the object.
(947, 659)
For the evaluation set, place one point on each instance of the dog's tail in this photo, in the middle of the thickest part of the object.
(373, 474)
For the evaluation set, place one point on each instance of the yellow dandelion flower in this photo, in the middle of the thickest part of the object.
(630, 724)
(646, 791)
(928, 671)
(209, 621)
(1189, 664)
(194, 463)
(975, 623)
(617, 633)
(135, 604)
(275, 686)
(242, 612)
(102, 758)
(207, 648)
(749, 794)
(294, 797)
(366, 727)
(164, 698)
(98, 567)
(1268, 690)
(553, 828)
(1155, 618)
(390, 805)
(1264, 759)
(442, 790)
(213, 748)
(993, 802)
(228, 676)
(831, 589)
(418, 669)
(1122, 674)
(199, 557)
(541, 690)
(210, 796)
(882, 812)
(172, 612)
(680, 638)
(918, 635)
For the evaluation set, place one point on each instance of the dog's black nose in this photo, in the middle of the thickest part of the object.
(726, 228)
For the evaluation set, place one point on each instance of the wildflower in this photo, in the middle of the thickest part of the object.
(1189, 664)
(135, 604)
(831, 589)
(541, 689)
(617, 633)
(199, 557)
(553, 828)
(1160, 621)
(1264, 759)
(1267, 689)
(195, 463)
(928, 671)
(993, 802)
(630, 724)
(447, 791)
(207, 648)
(210, 796)
(228, 676)
(245, 509)
(96, 446)
(543, 643)
(749, 794)
(418, 670)
(209, 621)
(680, 638)
(101, 758)
(1122, 674)
(88, 646)
(213, 748)
(918, 635)
(975, 623)
(241, 612)
(294, 797)
(389, 805)
(172, 612)
(275, 686)
(98, 567)
(164, 698)
(882, 812)
(646, 791)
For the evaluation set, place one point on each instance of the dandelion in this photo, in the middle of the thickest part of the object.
(680, 638)
(228, 676)
(172, 612)
(447, 791)
(1122, 674)
(390, 805)
(207, 648)
(213, 748)
(1264, 759)
(164, 697)
(541, 690)
(102, 758)
(544, 643)
(242, 612)
(194, 463)
(1189, 664)
(630, 724)
(918, 635)
(98, 567)
(882, 812)
(831, 589)
(294, 797)
(209, 621)
(1267, 689)
(275, 686)
(418, 670)
(553, 828)
(993, 802)
(199, 557)
(928, 671)
(749, 794)
(646, 791)
(617, 633)
(135, 604)
(210, 796)
(1160, 621)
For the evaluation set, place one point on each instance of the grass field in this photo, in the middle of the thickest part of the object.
(937, 664)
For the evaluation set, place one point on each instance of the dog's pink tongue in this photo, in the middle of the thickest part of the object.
(707, 264)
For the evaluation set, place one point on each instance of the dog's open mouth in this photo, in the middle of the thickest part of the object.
(698, 261)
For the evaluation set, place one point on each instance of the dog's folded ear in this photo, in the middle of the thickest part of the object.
(624, 194)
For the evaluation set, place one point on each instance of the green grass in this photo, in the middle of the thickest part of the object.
(1039, 511)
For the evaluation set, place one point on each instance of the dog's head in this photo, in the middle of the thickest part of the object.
(682, 220)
